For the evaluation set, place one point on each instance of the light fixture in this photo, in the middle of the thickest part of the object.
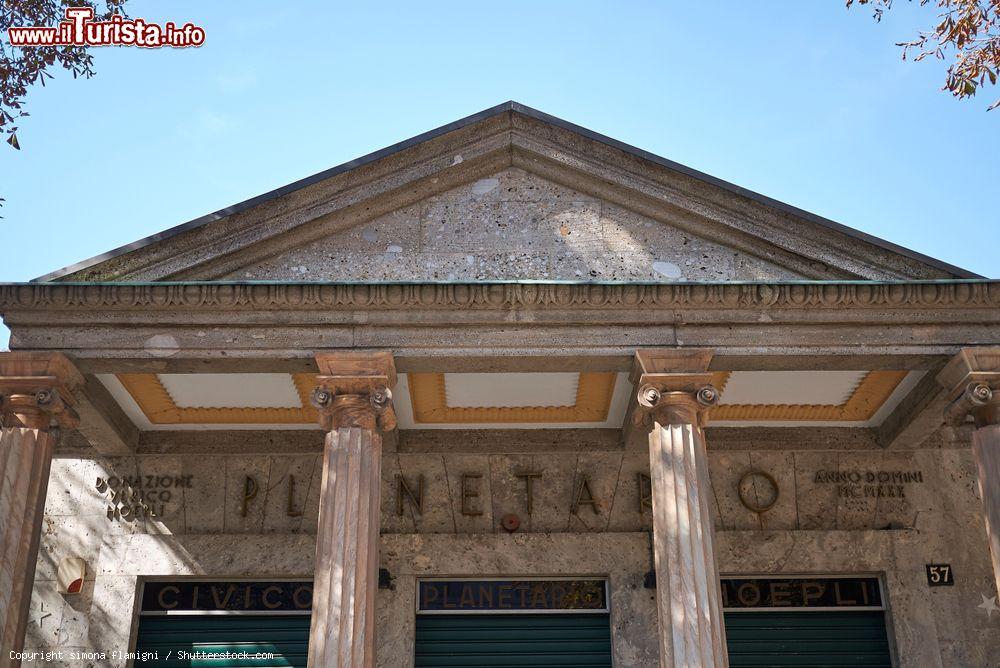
(70, 575)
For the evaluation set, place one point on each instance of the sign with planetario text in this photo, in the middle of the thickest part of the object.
(521, 596)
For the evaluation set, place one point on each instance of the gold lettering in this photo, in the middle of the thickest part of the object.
(430, 594)
(812, 591)
(291, 511)
(529, 478)
(505, 597)
(524, 588)
(485, 597)
(559, 596)
(249, 494)
(538, 597)
(585, 497)
(263, 597)
(470, 493)
(194, 597)
(445, 603)
(298, 598)
(840, 599)
(748, 594)
(246, 597)
(466, 600)
(416, 500)
(781, 594)
(221, 604)
(162, 601)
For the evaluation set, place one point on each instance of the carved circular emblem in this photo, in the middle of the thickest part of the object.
(758, 490)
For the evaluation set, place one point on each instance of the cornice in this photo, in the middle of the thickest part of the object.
(213, 296)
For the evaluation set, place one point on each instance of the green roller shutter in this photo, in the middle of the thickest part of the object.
(284, 636)
(808, 638)
(509, 640)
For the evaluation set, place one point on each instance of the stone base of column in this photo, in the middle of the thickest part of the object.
(688, 598)
(25, 458)
(343, 618)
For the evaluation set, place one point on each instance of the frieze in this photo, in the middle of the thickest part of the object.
(237, 296)
(524, 493)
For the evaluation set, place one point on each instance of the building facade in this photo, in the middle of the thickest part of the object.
(508, 393)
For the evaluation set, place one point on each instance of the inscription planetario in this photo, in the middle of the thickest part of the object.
(412, 493)
(133, 498)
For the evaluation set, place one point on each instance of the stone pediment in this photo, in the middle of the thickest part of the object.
(512, 225)
(510, 194)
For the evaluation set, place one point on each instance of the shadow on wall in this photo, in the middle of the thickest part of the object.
(100, 510)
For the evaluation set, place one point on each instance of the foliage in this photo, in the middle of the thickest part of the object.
(969, 28)
(20, 68)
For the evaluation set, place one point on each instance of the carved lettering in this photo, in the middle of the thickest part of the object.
(644, 489)
(469, 493)
(529, 478)
(291, 511)
(249, 494)
(403, 489)
(585, 497)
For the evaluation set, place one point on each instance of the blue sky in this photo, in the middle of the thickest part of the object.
(803, 101)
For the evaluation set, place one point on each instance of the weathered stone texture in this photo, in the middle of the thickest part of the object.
(514, 225)
(937, 520)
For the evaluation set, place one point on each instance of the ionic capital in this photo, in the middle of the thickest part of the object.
(674, 386)
(354, 389)
(972, 378)
(36, 390)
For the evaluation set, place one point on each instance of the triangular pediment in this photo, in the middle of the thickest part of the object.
(513, 225)
(510, 194)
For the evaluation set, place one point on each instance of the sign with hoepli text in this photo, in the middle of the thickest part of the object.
(775, 593)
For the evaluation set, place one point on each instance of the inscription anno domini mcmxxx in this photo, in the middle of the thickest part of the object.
(858, 484)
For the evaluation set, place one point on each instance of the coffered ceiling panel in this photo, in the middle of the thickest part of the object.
(507, 400)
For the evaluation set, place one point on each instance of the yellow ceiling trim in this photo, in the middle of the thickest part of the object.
(870, 394)
(427, 397)
(159, 407)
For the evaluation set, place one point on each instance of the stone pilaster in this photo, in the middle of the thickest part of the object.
(673, 393)
(36, 399)
(354, 400)
(973, 378)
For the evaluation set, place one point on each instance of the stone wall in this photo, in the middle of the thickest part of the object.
(885, 512)
(514, 225)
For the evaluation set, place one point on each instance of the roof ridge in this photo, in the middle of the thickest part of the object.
(511, 106)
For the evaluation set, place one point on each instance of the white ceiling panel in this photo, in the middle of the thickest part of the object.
(507, 390)
(791, 387)
(231, 390)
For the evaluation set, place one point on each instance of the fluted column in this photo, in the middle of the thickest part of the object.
(36, 397)
(354, 400)
(673, 392)
(973, 376)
